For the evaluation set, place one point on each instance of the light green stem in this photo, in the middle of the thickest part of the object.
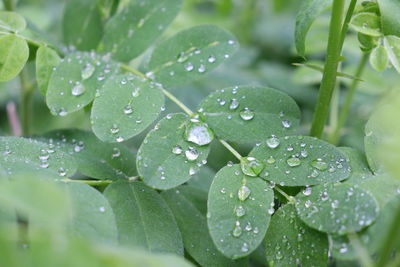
(88, 182)
(26, 103)
(329, 76)
(231, 149)
(290, 199)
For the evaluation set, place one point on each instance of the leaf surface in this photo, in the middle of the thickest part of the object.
(14, 53)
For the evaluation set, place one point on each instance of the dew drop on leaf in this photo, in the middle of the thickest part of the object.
(251, 166)
(198, 133)
(234, 104)
(243, 193)
(87, 71)
(191, 154)
(319, 164)
(128, 109)
(237, 231)
(286, 123)
(293, 161)
(246, 114)
(177, 150)
(78, 89)
(240, 211)
(273, 142)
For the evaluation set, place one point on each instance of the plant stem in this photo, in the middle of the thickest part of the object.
(231, 149)
(290, 199)
(344, 112)
(26, 101)
(89, 182)
(329, 76)
(13, 119)
(361, 252)
(346, 22)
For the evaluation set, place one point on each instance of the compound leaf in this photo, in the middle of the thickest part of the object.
(14, 53)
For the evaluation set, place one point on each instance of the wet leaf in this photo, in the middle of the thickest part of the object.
(366, 23)
(46, 60)
(14, 53)
(392, 45)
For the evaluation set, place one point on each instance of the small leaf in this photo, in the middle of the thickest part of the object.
(74, 83)
(12, 21)
(95, 159)
(337, 208)
(21, 154)
(203, 179)
(382, 187)
(126, 106)
(137, 26)
(82, 24)
(238, 211)
(379, 58)
(193, 225)
(247, 114)
(301, 160)
(190, 54)
(289, 242)
(143, 218)
(46, 60)
(374, 136)
(390, 10)
(92, 217)
(358, 164)
(392, 45)
(14, 53)
(366, 23)
(165, 159)
(309, 11)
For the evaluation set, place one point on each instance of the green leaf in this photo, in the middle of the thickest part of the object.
(143, 218)
(92, 216)
(392, 45)
(337, 208)
(165, 159)
(12, 21)
(190, 54)
(95, 159)
(73, 84)
(366, 23)
(238, 211)
(374, 136)
(14, 53)
(289, 242)
(126, 106)
(390, 10)
(82, 24)
(137, 26)
(301, 160)
(203, 179)
(379, 58)
(193, 226)
(382, 187)
(46, 60)
(248, 114)
(26, 155)
(358, 164)
(309, 11)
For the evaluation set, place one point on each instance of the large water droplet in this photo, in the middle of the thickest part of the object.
(198, 133)
(78, 89)
(319, 164)
(234, 104)
(243, 193)
(246, 114)
(293, 161)
(273, 142)
(191, 154)
(251, 166)
(87, 71)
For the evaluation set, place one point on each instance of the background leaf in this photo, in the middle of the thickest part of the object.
(125, 107)
(309, 11)
(137, 26)
(74, 83)
(337, 208)
(82, 24)
(12, 21)
(379, 58)
(289, 242)
(143, 218)
(190, 54)
(301, 160)
(14, 53)
(366, 23)
(390, 10)
(238, 215)
(165, 159)
(46, 60)
(248, 114)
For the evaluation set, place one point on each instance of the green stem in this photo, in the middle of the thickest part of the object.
(346, 22)
(89, 182)
(290, 199)
(360, 250)
(231, 149)
(329, 76)
(9, 5)
(334, 138)
(26, 102)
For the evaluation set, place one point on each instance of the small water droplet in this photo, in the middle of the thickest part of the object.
(189, 66)
(211, 59)
(243, 193)
(78, 89)
(273, 142)
(237, 231)
(251, 166)
(191, 154)
(246, 114)
(128, 109)
(293, 161)
(240, 211)
(87, 71)
(114, 129)
(319, 164)
(234, 104)
(307, 191)
(177, 150)
(286, 124)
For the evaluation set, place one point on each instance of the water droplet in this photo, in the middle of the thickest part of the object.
(237, 231)
(245, 247)
(189, 66)
(79, 146)
(116, 153)
(293, 161)
(246, 114)
(307, 191)
(273, 142)
(114, 129)
(234, 104)
(119, 139)
(191, 154)
(192, 171)
(128, 109)
(78, 89)
(251, 166)
(243, 193)
(177, 150)
(87, 71)
(198, 133)
(319, 164)
(211, 59)
(202, 68)
(271, 160)
(102, 209)
(286, 123)
(62, 172)
(240, 211)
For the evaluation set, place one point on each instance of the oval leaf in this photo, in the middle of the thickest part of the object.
(46, 60)
(374, 136)
(137, 26)
(73, 84)
(12, 21)
(190, 54)
(301, 160)
(247, 114)
(193, 225)
(392, 45)
(309, 11)
(366, 23)
(337, 208)
(92, 216)
(289, 242)
(95, 159)
(126, 106)
(14, 53)
(143, 218)
(165, 159)
(238, 215)
(21, 154)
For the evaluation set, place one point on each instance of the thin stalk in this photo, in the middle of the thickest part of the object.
(346, 22)
(88, 182)
(26, 102)
(344, 112)
(329, 76)
(231, 149)
(13, 119)
(290, 199)
(361, 252)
